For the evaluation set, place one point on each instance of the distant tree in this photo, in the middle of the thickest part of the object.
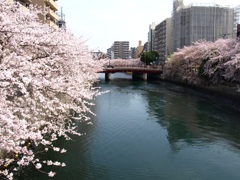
(149, 57)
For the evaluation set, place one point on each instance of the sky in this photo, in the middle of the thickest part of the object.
(101, 22)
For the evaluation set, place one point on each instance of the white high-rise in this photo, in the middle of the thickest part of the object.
(121, 49)
(151, 36)
(208, 21)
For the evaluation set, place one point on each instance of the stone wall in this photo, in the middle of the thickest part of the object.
(228, 90)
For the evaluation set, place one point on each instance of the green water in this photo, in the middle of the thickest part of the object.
(152, 130)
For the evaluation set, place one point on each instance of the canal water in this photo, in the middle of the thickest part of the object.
(152, 131)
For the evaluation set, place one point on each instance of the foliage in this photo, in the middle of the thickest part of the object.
(206, 62)
(122, 62)
(149, 57)
(98, 55)
(45, 75)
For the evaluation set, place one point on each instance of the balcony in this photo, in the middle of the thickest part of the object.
(23, 7)
(52, 4)
(52, 14)
(52, 24)
(27, 1)
(23, 1)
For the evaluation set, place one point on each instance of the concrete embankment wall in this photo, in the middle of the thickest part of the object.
(227, 90)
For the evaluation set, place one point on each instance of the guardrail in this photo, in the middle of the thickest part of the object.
(133, 66)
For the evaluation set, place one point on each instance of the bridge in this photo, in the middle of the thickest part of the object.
(138, 72)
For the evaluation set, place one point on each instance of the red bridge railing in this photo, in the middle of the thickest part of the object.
(132, 68)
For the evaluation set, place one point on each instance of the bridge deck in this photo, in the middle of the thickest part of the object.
(150, 70)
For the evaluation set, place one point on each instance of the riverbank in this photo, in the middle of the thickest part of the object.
(226, 90)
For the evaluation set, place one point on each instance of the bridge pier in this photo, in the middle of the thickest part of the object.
(144, 76)
(155, 76)
(140, 76)
(107, 76)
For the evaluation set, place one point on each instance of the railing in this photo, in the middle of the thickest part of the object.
(27, 1)
(134, 67)
(52, 24)
(24, 8)
(52, 14)
(52, 4)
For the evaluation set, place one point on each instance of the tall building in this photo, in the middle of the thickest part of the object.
(132, 52)
(51, 8)
(48, 6)
(145, 48)
(238, 30)
(208, 21)
(151, 36)
(121, 49)
(24, 4)
(139, 50)
(162, 40)
(109, 52)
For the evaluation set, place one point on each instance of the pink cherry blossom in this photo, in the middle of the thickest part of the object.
(51, 174)
(206, 63)
(46, 76)
(38, 166)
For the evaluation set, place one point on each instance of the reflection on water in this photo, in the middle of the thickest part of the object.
(192, 117)
(152, 130)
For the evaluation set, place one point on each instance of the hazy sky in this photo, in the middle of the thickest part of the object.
(102, 22)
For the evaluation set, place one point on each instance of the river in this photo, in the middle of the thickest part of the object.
(152, 130)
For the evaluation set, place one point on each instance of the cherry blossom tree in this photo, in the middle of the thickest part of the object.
(122, 62)
(206, 62)
(46, 84)
(224, 66)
